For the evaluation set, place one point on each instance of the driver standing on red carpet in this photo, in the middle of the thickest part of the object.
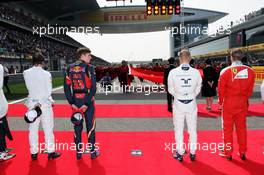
(80, 88)
(235, 86)
(39, 85)
(4, 129)
(184, 83)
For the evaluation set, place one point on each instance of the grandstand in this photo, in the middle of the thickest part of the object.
(18, 43)
(248, 35)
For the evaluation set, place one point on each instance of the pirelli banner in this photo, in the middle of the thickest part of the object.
(259, 71)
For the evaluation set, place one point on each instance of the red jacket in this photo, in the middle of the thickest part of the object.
(235, 86)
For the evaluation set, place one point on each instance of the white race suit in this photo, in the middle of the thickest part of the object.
(184, 83)
(39, 86)
(3, 102)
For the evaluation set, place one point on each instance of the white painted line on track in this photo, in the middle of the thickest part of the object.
(17, 101)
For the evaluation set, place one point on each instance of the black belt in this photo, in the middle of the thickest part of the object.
(185, 101)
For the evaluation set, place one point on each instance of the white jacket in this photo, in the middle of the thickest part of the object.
(3, 102)
(39, 86)
(184, 83)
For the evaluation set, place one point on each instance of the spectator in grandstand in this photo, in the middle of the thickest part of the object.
(167, 70)
(6, 78)
(11, 70)
(16, 43)
(63, 68)
(4, 129)
(209, 83)
(262, 91)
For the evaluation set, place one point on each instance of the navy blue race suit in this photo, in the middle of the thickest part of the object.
(80, 88)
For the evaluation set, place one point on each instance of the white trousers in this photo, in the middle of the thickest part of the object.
(180, 113)
(47, 120)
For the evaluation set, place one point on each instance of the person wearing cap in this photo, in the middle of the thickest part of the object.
(80, 88)
(165, 82)
(184, 83)
(4, 129)
(39, 85)
(235, 86)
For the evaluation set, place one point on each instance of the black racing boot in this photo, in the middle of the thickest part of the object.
(178, 156)
(78, 155)
(94, 154)
(192, 157)
(6, 156)
(34, 156)
(53, 155)
(228, 157)
(242, 156)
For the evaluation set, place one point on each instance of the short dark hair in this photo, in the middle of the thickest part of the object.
(81, 51)
(171, 60)
(208, 61)
(192, 62)
(38, 58)
(237, 54)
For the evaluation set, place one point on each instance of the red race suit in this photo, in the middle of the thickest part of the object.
(235, 86)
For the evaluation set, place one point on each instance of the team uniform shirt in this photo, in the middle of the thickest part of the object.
(39, 85)
(184, 85)
(236, 84)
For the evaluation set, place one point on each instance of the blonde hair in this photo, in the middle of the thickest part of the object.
(184, 54)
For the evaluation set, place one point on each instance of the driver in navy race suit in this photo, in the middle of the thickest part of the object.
(80, 88)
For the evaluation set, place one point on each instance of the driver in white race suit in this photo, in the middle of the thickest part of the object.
(184, 83)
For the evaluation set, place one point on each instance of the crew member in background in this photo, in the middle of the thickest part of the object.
(106, 82)
(4, 129)
(80, 89)
(39, 86)
(165, 82)
(184, 83)
(209, 84)
(235, 86)
(123, 76)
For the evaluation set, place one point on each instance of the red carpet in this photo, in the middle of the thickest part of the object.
(115, 156)
(132, 110)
